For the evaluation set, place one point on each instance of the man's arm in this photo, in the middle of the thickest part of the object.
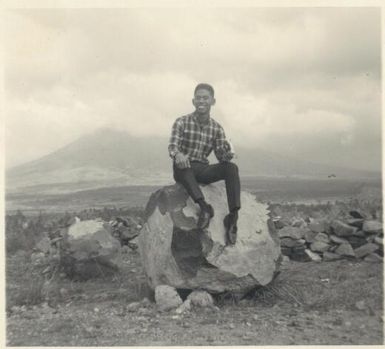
(175, 139)
(222, 149)
(181, 160)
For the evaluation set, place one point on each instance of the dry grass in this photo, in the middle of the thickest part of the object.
(327, 285)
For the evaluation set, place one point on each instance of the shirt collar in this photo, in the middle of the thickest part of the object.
(195, 117)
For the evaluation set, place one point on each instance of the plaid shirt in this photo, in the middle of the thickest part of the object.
(197, 140)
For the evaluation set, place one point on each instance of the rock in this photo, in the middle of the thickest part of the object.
(298, 222)
(133, 307)
(64, 293)
(379, 240)
(167, 298)
(360, 305)
(279, 224)
(291, 232)
(313, 256)
(359, 233)
(342, 229)
(355, 222)
(185, 307)
(38, 258)
(366, 249)
(299, 254)
(356, 241)
(288, 242)
(317, 226)
(330, 256)
(356, 214)
(125, 249)
(175, 252)
(89, 250)
(310, 236)
(322, 237)
(201, 299)
(372, 227)
(44, 245)
(338, 240)
(345, 250)
(373, 258)
(319, 246)
(286, 251)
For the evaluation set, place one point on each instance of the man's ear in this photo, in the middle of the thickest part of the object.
(214, 100)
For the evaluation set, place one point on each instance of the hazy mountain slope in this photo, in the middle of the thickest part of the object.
(109, 157)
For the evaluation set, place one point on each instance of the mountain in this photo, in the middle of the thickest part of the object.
(113, 158)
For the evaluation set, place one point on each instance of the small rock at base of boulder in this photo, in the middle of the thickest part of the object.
(319, 246)
(372, 227)
(331, 256)
(285, 260)
(366, 249)
(342, 229)
(373, 258)
(313, 256)
(345, 250)
(185, 307)
(166, 297)
(201, 298)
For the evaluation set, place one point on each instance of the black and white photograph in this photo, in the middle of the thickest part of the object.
(192, 173)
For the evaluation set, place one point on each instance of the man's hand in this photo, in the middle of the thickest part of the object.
(182, 161)
(226, 157)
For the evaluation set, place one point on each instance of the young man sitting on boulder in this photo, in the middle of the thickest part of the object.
(193, 138)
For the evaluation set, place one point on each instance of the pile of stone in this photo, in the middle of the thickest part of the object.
(85, 249)
(327, 240)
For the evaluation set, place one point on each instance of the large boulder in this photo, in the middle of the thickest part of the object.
(176, 253)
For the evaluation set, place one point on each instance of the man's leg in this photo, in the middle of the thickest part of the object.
(187, 178)
(228, 172)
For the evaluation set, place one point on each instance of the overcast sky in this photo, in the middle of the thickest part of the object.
(300, 82)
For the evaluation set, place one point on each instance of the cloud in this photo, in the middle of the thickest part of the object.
(285, 79)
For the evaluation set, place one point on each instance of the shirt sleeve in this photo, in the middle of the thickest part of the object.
(176, 137)
(221, 146)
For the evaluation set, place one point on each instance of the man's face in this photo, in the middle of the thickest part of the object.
(203, 100)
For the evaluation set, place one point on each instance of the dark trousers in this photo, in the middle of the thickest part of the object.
(206, 174)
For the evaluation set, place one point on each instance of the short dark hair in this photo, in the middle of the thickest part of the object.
(203, 86)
